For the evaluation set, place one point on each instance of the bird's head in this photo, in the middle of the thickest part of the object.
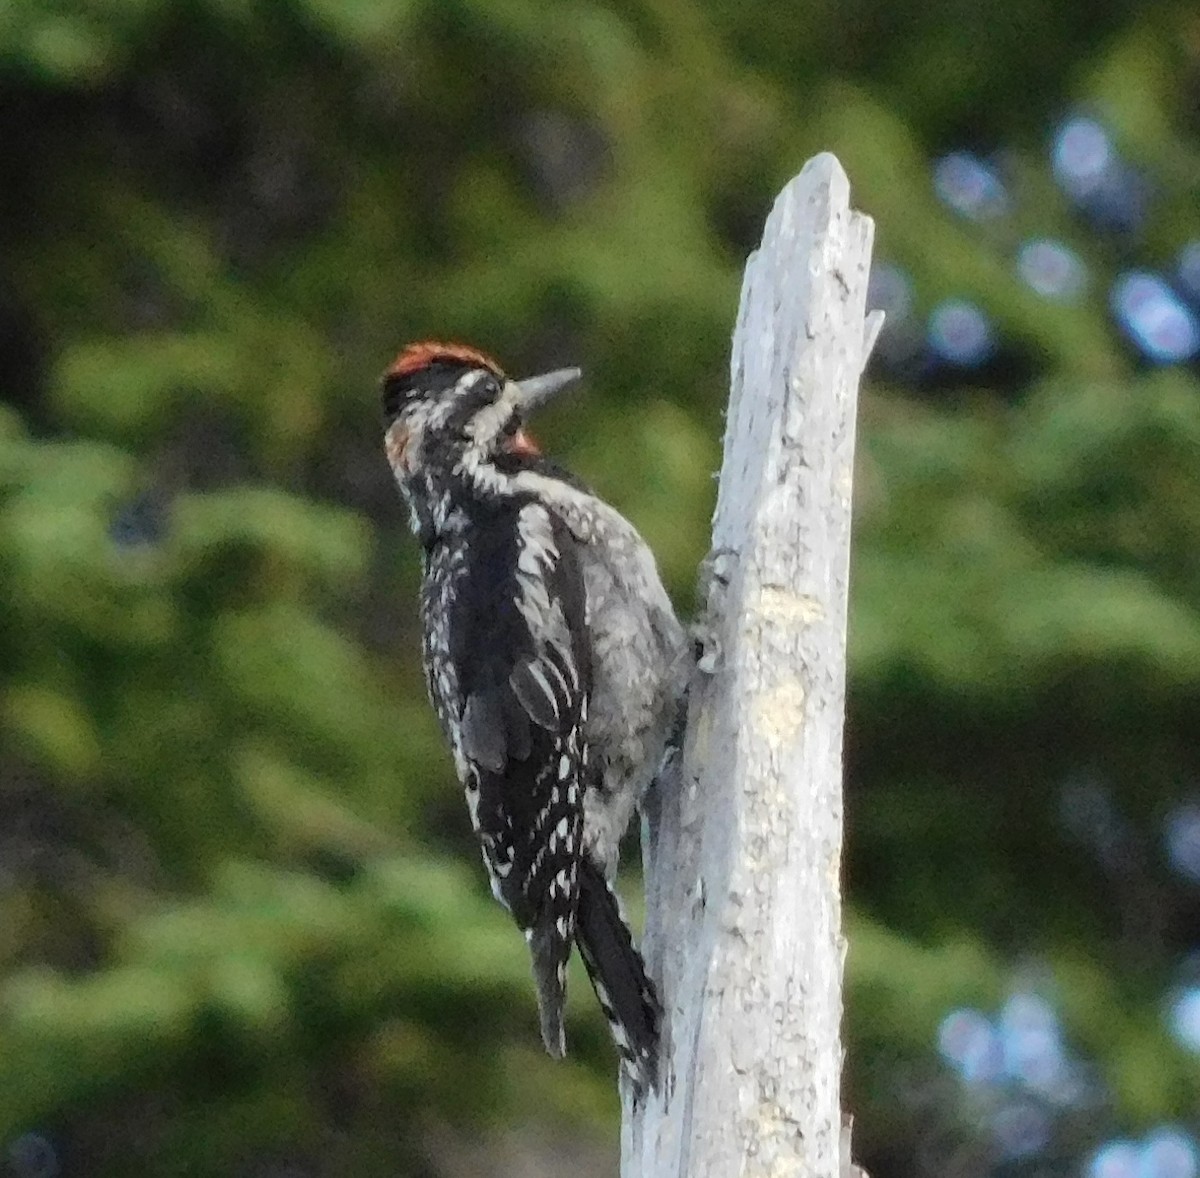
(451, 412)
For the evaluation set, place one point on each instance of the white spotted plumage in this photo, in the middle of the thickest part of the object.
(554, 661)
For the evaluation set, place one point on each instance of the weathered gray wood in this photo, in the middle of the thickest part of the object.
(744, 836)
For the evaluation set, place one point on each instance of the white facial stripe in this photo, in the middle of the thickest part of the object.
(490, 421)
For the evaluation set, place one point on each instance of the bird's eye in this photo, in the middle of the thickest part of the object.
(481, 384)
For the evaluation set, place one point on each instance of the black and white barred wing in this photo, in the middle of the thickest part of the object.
(523, 668)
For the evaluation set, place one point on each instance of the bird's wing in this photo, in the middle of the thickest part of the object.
(523, 665)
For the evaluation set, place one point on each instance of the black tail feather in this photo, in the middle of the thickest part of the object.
(550, 949)
(618, 975)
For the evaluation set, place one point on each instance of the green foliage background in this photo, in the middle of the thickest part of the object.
(242, 926)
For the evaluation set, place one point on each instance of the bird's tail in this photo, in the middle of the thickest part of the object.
(618, 975)
(550, 946)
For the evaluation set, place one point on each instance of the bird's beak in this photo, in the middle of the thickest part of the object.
(533, 393)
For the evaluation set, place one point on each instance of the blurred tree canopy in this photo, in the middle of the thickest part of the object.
(242, 925)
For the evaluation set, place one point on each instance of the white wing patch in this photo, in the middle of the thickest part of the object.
(546, 685)
(531, 685)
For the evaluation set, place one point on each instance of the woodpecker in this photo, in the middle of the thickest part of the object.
(553, 659)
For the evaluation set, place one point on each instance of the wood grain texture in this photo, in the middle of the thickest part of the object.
(743, 835)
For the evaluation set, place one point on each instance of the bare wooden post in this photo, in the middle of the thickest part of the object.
(744, 838)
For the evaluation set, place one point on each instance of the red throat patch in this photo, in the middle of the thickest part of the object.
(523, 445)
(423, 354)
